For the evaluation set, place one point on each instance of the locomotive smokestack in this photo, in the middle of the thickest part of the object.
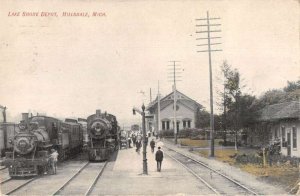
(98, 112)
(25, 117)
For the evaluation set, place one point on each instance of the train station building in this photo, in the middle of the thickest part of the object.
(186, 110)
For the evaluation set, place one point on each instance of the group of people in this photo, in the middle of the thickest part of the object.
(137, 142)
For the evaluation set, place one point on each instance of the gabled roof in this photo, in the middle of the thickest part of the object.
(169, 99)
(286, 110)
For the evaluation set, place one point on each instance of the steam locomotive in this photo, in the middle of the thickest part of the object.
(103, 134)
(36, 137)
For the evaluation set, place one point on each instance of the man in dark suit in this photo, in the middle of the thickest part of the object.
(159, 156)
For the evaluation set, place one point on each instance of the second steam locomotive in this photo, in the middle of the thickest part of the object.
(103, 133)
(36, 137)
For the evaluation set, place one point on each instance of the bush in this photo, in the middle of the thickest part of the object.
(251, 158)
(196, 134)
(167, 133)
(191, 133)
(229, 143)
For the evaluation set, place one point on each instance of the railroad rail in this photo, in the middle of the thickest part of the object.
(220, 184)
(14, 185)
(95, 180)
(3, 168)
(83, 175)
(6, 180)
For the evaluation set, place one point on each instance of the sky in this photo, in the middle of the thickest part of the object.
(71, 66)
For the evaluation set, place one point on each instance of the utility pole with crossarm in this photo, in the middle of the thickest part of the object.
(4, 113)
(209, 29)
(174, 75)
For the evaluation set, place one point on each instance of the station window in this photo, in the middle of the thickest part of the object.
(284, 144)
(186, 123)
(294, 137)
(163, 125)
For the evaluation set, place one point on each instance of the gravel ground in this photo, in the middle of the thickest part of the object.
(258, 185)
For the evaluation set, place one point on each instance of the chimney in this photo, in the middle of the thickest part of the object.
(25, 117)
(98, 112)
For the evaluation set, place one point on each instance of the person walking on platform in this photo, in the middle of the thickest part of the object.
(53, 160)
(146, 140)
(133, 139)
(129, 142)
(138, 145)
(152, 144)
(159, 156)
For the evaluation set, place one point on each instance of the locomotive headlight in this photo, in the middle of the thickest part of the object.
(22, 143)
(98, 127)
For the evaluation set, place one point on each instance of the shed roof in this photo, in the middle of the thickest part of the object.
(286, 110)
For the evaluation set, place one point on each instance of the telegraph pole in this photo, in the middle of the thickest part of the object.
(206, 22)
(3, 112)
(175, 74)
(158, 110)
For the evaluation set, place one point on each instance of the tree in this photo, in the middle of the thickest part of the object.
(225, 99)
(230, 100)
(291, 92)
(202, 118)
(292, 86)
(239, 110)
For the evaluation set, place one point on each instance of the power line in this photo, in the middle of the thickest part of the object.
(175, 75)
(210, 29)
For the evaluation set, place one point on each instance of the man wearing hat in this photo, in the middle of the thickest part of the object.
(53, 160)
(159, 156)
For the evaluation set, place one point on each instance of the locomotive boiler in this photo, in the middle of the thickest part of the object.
(32, 144)
(102, 129)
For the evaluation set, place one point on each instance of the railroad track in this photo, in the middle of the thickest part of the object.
(10, 186)
(4, 176)
(6, 180)
(3, 168)
(83, 181)
(218, 182)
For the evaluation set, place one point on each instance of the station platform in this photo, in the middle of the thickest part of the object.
(124, 177)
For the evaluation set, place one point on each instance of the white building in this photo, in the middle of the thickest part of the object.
(186, 110)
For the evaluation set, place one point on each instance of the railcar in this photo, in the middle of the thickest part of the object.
(32, 144)
(103, 134)
(83, 123)
(70, 139)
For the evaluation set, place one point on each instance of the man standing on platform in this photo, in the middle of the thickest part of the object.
(53, 160)
(159, 156)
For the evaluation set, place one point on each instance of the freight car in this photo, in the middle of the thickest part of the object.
(32, 144)
(104, 134)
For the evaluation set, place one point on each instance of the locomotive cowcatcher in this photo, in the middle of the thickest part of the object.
(32, 144)
(103, 135)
